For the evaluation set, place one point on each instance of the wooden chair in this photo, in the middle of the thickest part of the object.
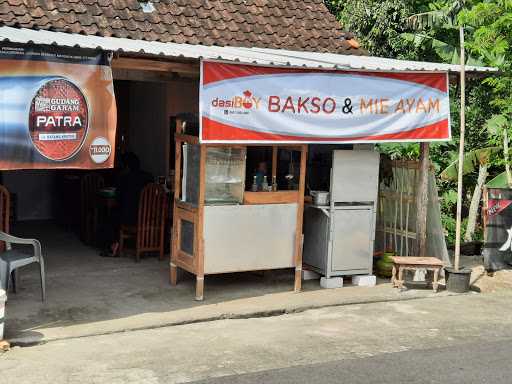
(5, 209)
(89, 187)
(149, 232)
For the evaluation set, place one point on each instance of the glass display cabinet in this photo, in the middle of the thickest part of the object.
(219, 227)
(225, 175)
(224, 170)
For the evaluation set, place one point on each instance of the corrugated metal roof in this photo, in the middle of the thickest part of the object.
(261, 56)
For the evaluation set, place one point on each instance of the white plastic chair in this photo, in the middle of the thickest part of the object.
(13, 259)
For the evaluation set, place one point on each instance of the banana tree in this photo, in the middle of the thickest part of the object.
(448, 52)
(478, 158)
(439, 13)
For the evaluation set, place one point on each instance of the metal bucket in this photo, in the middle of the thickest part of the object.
(457, 281)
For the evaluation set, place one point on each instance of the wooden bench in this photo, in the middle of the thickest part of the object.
(400, 264)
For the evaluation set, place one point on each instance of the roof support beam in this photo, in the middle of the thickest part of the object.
(151, 76)
(132, 64)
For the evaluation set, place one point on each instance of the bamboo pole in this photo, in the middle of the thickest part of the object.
(414, 194)
(408, 202)
(402, 237)
(422, 200)
(382, 219)
(461, 147)
(396, 186)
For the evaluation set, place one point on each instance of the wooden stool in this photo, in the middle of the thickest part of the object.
(413, 264)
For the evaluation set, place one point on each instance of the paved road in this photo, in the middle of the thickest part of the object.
(478, 363)
(458, 339)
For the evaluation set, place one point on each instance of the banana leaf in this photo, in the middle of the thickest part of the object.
(499, 181)
(447, 52)
(472, 161)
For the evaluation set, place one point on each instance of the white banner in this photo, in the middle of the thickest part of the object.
(241, 103)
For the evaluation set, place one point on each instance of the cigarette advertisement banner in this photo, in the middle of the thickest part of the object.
(256, 104)
(495, 207)
(57, 109)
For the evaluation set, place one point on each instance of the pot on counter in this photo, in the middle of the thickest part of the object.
(320, 197)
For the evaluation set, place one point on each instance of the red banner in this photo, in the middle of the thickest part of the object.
(495, 207)
(245, 103)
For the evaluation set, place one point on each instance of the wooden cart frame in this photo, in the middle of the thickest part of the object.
(194, 263)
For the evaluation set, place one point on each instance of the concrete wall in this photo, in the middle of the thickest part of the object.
(35, 193)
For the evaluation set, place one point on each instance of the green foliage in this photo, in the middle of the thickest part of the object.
(376, 24)
(496, 124)
(450, 198)
(409, 151)
(447, 52)
(448, 204)
(491, 21)
(449, 225)
(439, 14)
(492, 38)
(429, 31)
(472, 160)
(499, 181)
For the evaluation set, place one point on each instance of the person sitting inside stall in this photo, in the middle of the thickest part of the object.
(130, 185)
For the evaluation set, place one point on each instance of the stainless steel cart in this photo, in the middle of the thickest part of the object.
(219, 227)
(338, 238)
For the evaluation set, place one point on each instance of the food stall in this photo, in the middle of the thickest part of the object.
(219, 226)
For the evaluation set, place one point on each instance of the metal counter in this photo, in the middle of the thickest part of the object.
(339, 238)
(338, 241)
(249, 237)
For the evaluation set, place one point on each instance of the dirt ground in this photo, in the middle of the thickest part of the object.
(496, 281)
(483, 282)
